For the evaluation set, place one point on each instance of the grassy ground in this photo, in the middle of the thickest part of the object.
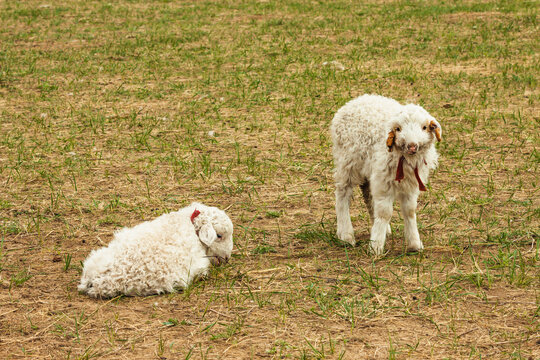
(106, 119)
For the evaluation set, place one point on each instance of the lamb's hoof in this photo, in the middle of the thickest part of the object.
(376, 248)
(389, 230)
(348, 238)
(415, 248)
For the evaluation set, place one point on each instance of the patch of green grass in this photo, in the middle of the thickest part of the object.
(264, 249)
(324, 232)
(11, 228)
(273, 214)
(21, 277)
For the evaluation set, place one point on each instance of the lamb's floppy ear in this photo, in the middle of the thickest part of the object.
(390, 140)
(207, 234)
(435, 127)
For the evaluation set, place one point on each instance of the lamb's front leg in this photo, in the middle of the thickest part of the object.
(408, 211)
(345, 231)
(382, 213)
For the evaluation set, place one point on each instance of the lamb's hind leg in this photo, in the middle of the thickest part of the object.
(382, 209)
(345, 231)
(368, 200)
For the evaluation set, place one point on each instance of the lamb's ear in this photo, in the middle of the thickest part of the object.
(435, 127)
(207, 234)
(390, 140)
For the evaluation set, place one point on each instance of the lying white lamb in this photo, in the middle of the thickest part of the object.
(388, 149)
(160, 255)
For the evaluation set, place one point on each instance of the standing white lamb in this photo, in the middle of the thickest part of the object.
(388, 149)
(160, 255)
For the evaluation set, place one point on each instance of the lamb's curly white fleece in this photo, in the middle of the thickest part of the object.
(160, 255)
(360, 130)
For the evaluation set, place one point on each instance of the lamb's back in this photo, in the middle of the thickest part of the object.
(163, 230)
(362, 122)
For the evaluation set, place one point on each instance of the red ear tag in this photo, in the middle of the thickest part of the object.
(195, 214)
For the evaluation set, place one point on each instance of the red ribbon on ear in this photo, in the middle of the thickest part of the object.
(195, 214)
(400, 174)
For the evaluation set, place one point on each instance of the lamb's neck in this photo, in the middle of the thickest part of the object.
(400, 173)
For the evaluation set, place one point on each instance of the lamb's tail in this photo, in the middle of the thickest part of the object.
(85, 285)
(95, 264)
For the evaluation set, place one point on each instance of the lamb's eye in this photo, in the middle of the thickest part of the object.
(219, 236)
(425, 127)
(398, 129)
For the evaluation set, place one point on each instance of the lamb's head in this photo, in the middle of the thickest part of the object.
(215, 231)
(413, 131)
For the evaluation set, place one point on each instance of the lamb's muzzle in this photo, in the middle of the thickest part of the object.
(412, 148)
(218, 260)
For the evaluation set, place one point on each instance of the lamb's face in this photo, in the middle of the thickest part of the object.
(215, 231)
(220, 250)
(413, 132)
